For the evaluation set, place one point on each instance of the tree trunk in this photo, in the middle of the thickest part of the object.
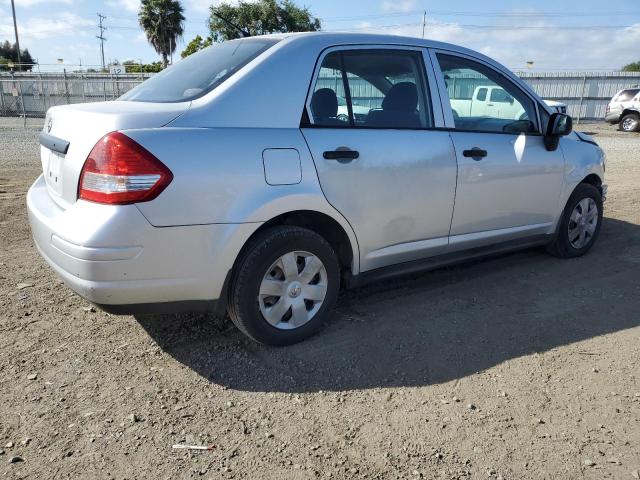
(165, 60)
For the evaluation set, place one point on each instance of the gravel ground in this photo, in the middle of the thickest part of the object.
(519, 367)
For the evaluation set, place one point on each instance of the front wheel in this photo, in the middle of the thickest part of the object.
(580, 224)
(630, 123)
(284, 286)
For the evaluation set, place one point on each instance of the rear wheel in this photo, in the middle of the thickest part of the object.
(284, 286)
(580, 223)
(630, 123)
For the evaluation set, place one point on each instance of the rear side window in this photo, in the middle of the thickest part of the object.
(482, 94)
(371, 89)
(627, 95)
(199, 73)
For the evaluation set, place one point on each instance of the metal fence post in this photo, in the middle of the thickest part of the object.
(66, 85)
(44, 95)
(24, 113)
(584, 83)
(82, 83)
(2, 107)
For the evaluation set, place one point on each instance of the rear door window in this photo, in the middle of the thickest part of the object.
(371, 89)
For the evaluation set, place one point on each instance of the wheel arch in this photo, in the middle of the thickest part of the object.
(627, 111)
(593, 179)
(339, 236)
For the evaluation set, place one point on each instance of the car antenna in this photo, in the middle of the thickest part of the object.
(244, 33)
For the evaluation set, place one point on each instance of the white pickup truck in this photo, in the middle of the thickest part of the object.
(494, 101)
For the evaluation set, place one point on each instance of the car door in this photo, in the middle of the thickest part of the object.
(384, 167)
(508, 185)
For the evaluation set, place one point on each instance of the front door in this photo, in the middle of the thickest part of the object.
(379, 160)
(509, 185)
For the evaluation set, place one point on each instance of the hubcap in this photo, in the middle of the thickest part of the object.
(629, 124)
(583, 223)
(293, 290)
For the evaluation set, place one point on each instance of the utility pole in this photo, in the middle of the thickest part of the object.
(15, 29)
(101, 36)
(424, 22)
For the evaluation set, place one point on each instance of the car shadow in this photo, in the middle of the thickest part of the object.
(429, 328)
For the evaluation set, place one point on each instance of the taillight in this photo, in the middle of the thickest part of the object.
(119, 171)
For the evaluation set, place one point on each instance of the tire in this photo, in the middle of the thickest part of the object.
(630, 123)
(270, 281)
(565, 244)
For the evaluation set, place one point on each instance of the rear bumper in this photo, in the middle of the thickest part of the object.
(612, 118)
(112, 256)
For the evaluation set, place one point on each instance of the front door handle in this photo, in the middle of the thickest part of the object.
(475, 153)
(342, 153)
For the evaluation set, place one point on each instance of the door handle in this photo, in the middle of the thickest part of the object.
(342, 153)
(475, 153)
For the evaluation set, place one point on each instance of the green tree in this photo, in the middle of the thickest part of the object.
(9, 52)
(131, 66)
(259, 18)
(196, 44)
(632, 67)
(163, 24)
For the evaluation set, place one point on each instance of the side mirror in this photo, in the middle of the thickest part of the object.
(560, 125)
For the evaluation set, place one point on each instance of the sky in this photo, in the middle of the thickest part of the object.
(554, 35)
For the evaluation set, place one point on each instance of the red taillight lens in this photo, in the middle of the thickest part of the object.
(119, 171)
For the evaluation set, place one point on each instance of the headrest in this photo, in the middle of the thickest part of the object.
(324, 103)
(401, 97)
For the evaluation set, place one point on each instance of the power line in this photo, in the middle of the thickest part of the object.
(483, 27)
(481, 14)
(101, 36)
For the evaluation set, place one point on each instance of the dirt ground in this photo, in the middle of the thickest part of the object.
(518, 367)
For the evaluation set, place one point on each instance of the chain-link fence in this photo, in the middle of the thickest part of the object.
(32, 94)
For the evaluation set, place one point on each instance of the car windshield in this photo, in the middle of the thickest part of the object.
(199, 73)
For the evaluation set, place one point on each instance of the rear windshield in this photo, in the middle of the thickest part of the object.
(626, 95)
(199, 73)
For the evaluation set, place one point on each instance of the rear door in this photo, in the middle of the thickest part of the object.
(509, 185)
(383, 165)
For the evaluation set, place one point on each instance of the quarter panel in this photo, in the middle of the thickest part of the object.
(219, 178)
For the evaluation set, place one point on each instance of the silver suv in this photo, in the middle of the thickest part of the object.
(234, 182)
(624, 110)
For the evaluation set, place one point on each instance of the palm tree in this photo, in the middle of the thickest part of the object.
(163, 24)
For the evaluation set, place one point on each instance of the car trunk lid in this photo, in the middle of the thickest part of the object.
(71, 131)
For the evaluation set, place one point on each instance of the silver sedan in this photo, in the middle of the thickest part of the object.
(235, 182)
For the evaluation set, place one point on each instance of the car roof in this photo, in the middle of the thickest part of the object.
(327, 39)
(321, 40)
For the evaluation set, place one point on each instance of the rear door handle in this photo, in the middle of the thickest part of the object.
(475, 153)
(341, 154)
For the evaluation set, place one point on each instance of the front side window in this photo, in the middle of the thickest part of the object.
(199, 73)
(509, 109)
(371, 89)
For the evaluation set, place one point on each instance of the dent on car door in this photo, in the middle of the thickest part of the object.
(509, 185)
(380, 162)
